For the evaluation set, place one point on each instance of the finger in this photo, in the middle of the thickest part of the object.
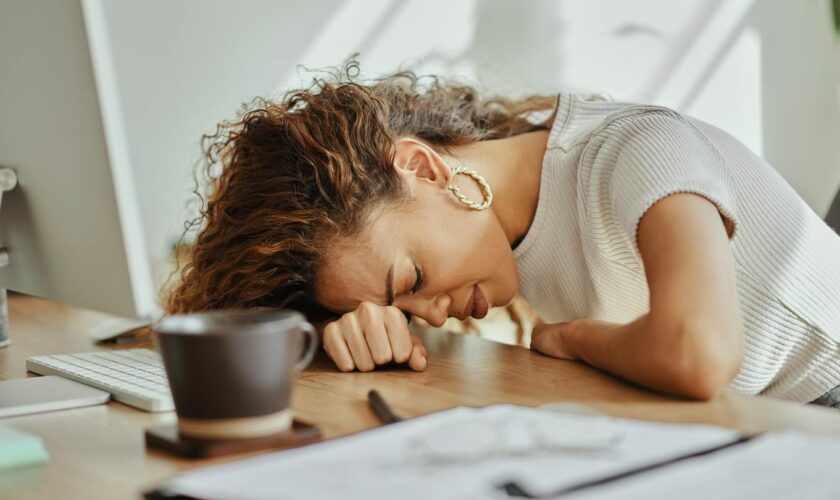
(371, 320)
(416, 342)
(378, 343)
(540, 337)
(337, 349)
(399, 336)
(545, 338)
(352, 332)
(417, 359)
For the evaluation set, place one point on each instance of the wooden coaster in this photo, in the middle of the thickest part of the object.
(167, 438)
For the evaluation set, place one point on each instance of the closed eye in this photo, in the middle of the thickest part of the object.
(418, 283)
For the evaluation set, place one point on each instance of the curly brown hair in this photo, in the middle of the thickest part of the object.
(288, 176)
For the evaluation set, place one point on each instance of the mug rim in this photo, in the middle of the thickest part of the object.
(221, 322)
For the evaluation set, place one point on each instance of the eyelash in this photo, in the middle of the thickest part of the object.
(419, 281)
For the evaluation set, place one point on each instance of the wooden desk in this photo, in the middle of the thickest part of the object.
(98, 452)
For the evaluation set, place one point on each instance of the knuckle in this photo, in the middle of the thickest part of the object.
(372, 332)
(404, 348)
(350, 319)
(368, 309)
(392, 310)
(382, 358)
(354, 332)
(402, 356)
(331, 333)
(399, 328)
(330, 328)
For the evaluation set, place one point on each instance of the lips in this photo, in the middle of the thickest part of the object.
(479, 306)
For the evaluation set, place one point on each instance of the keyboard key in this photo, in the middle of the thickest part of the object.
(133, 376)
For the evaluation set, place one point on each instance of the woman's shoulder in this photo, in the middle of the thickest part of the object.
(580, 117)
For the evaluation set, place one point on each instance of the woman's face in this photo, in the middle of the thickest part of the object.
(433, 256)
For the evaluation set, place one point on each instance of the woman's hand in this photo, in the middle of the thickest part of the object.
(372, 335)
(559, 339)
(563, 340)
(548, 338)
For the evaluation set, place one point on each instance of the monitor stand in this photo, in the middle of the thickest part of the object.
(117, 330)
(4, 318)
(8, 181)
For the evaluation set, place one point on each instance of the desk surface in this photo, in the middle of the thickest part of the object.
(98, 452)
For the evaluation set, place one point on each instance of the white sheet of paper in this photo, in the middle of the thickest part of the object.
(779, 465)
(380, 463)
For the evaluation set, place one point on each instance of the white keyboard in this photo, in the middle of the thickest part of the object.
(133, 376)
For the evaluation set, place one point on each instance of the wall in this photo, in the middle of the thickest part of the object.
(768, 71)
(184, 66)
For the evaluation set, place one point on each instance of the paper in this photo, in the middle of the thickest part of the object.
(782, 465)
(383, 463)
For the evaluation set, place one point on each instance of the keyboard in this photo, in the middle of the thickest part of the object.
(135, 377)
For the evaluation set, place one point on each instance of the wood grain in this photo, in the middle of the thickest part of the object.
(99, 452)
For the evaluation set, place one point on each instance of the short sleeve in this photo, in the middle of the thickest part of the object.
(644, 154)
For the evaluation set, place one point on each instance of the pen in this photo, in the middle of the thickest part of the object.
(381, 408)
(514, 489)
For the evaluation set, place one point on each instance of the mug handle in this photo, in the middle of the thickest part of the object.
(311, 347)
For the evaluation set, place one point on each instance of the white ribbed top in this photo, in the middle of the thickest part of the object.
(608, 162)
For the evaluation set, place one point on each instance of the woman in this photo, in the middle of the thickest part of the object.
(655, 246)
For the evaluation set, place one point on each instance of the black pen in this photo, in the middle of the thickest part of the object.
(514, 489)
(381, 408)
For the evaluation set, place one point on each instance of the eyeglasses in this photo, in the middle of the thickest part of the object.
(549, 428)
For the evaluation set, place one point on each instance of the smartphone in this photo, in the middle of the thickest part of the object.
(50, 393)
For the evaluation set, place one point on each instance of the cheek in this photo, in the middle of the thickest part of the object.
(503, 283)
(463, 247)
(493, 263)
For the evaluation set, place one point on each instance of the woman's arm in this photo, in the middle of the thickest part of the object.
(691, 342)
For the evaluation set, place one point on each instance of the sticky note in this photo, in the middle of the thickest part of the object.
(18, 448)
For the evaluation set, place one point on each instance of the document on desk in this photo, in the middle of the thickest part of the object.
(409, 461)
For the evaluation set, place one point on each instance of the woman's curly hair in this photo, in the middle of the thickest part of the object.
(290, 175)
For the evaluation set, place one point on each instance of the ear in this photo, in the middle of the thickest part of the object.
(416, 161)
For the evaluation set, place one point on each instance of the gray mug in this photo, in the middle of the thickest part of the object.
(231, 372)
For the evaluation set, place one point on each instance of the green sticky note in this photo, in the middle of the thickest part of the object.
(18, 448)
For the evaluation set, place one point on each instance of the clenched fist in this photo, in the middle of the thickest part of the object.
(372, 335)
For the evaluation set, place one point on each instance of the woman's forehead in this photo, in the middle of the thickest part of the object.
(356, 271)
(356, 268)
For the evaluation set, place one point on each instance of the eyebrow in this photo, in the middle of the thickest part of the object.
(389, 286)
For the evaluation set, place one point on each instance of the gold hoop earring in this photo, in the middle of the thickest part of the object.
(485, 188)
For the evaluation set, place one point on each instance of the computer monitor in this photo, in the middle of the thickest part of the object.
(72, 226)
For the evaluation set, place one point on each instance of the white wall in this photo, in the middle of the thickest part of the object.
(772, 78)
(768, 71)
(182, 67)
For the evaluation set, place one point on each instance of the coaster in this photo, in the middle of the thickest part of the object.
(167, 438)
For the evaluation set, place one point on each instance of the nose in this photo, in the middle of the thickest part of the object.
(434, 311)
